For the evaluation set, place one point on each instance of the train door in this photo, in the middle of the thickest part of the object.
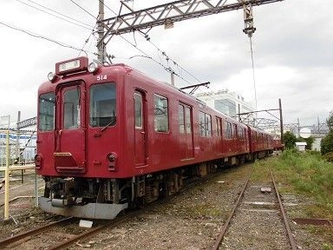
(185, 131)
(70, 150)
(140, 136)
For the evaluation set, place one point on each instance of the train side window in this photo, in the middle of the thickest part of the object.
(205, 124)
(188, 121)
(46, 112)
(240, 133)
(138, 110)
(227, 130)
(218, 126)
(181, 119)
(208, 125)
(103, 105)
(202, 123)
(161, 116)
(235, 130)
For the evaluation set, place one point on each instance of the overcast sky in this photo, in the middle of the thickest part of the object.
(293, 52)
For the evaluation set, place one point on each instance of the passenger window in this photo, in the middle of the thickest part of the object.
(181, 120)
(205, 124)
(138, 110)
(228, 130)
(161, 117)
(218, 126)
(188, 121)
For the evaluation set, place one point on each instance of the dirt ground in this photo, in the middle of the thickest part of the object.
(191, 220)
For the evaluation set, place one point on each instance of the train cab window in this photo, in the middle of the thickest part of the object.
(161, 117)
(103, 105)
(46, 112)
(71, 109)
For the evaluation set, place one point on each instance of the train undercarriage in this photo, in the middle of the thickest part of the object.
(98, 198)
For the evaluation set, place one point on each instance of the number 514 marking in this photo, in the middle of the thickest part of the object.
(102, 77)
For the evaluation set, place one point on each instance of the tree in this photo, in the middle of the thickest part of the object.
(326, 143)
(289, 140)
(309, 141)
(329, 121)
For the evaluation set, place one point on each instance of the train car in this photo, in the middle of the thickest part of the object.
(110, 138)
(261, 143)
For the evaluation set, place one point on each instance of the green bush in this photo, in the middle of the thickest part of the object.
(328, 156)
(326, 143)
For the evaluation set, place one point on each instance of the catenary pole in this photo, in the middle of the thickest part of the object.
(6, 210)
(101, 43)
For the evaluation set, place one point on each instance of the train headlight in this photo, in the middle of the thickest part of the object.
(92, 67)
(51, 76)
(112, 159)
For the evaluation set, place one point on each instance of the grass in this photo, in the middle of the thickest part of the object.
(307, 175)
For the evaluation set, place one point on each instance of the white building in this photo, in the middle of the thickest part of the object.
(229, 103)
(26, 146)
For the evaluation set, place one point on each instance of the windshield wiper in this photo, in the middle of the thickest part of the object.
(111, 122)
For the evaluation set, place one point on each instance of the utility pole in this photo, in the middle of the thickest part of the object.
(101, 44)
(18, 153)
(281, 121)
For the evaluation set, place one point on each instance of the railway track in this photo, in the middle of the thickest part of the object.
(257, 204)
(13, 241)
(62, 233)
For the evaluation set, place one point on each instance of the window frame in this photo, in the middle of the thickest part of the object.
(161, 114)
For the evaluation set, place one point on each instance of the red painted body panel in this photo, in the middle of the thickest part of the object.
(137, 151)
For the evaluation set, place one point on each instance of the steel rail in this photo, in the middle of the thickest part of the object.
(119, 220)
(113, 223)
(283, 213)
(227, 223)
(23, 235)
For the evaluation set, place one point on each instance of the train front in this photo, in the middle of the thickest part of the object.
(77, 106)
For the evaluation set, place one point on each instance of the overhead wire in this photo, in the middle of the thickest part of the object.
(168, 69)
(174, 62)
(87, 40)
(64, 18)
(59, 15)
(30, 33)
(83, 9)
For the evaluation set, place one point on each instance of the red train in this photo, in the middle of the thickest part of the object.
(110, 138)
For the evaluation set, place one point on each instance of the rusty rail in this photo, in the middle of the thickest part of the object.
(284, 216)
(227, 223)
(35, 231)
